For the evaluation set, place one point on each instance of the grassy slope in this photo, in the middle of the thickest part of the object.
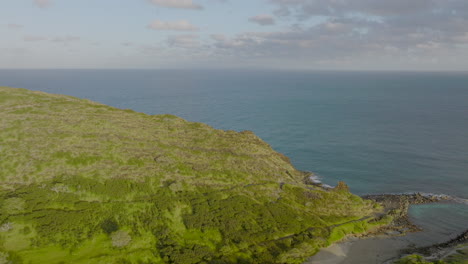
(75, 173)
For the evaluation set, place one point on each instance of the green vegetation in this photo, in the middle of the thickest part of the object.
(458, 256)
(83, 182)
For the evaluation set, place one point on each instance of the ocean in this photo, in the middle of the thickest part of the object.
(380, 132)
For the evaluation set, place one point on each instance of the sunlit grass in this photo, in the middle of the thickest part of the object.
(74, 172)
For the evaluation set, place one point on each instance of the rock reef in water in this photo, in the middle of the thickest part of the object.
(454, 251)
(397, 206)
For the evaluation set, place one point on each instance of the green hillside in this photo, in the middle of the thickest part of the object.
(82, 182)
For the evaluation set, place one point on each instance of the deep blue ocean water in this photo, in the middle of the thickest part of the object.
(381, 132)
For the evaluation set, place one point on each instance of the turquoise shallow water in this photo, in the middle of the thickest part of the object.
(440, 222)
(380, 132)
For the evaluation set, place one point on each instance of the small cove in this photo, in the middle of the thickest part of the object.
(440, 222)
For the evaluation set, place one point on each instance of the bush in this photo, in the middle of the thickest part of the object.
(109, 226)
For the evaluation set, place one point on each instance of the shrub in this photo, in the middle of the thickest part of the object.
(109, 226)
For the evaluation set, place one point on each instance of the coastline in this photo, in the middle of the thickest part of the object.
(442, 250)
(397, 206)
(387, 244)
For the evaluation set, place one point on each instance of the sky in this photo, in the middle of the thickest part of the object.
(221, 34)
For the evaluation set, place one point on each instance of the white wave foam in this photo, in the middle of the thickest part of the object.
(438, 196)
(317, 180)
(446, 197)
(460, 200)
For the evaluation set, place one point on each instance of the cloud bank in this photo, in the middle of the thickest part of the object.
(302, 33)
(338, 31)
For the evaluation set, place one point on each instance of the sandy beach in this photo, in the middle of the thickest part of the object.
(442, 225)
(358, 251)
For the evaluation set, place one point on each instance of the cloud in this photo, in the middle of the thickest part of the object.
(343, 29)
(218, 37)
(307, 8)
(14, 26)
(57, 39)
(42, 3)
(65, 39)
(183, 41)
(263, 20)
(181, 25)
(346, 40)
(182, 4)
(321, 31)
(34, 38)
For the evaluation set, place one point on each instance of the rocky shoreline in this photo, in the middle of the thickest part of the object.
(460, 239)
(454, 246)
(397, 206)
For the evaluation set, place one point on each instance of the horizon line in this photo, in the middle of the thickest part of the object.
(242, 69)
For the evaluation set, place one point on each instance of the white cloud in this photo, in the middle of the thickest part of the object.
(42, 3)
(181, 25)
(183, 4)
(263, 20)
(183, 41)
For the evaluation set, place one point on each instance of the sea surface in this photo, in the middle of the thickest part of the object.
(380, 132)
